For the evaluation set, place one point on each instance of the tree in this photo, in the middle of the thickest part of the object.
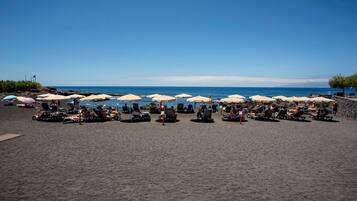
(13, 86)
(339, 81)
(352, 81)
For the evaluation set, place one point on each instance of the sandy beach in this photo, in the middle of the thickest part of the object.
(259, 160)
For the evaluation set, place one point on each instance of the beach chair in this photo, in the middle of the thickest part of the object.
(214, 108)
(125, 109)
(322, 114)
(205, 116)
(190, 109)
(153, 109)
(72, 119)
(136, 107)
(99, 114)
(295, 114)
(180, 108)
(170, 115)
(227, 109)
(49, 116)
(234, 116)
(138, 116)
(45, 107)
(281, 113)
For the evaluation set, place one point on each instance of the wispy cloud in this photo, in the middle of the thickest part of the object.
(235, 80)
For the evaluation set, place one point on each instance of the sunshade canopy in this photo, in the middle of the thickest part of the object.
(55, 97)
(129, 97)
(25, 100)
(183, 95)
(9, 97)
(75, 96)
(153, 95)
(279, 98)
(199, 99)
(263, 99)
(236, 96)
(297, 99)
(321, 100)
(44, 95)
(98, 97)
(231, 100)
(163, 98)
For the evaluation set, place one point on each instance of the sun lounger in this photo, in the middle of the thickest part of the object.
(295, 114)
(322, 114)
(233, 117)
(190, 109)
(205, 116)
(214, 108)
(125, 109)
(170, 115)
(154, 109)
(138, 116)
(180, 108)
(49, 116)
(136, 107)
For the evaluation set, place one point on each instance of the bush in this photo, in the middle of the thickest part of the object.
(352, 81)
(12, 86)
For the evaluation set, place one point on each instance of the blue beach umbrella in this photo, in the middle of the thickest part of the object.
(10, 97)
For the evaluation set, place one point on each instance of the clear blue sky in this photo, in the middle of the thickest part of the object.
(182, 42)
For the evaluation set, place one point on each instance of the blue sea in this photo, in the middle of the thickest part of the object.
(213, 92)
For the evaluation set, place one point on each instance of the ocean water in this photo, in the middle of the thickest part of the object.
(213, 92)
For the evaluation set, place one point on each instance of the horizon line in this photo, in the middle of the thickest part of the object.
(186, 86)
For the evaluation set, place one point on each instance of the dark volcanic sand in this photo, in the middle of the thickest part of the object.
(283, 160)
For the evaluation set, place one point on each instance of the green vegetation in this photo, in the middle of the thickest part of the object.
(12, 86)
(352, 81)
(343, 82)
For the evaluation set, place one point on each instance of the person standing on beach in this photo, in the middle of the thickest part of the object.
(162, 113)
(334, 108)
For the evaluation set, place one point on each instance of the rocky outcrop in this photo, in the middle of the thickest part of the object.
(346, 107)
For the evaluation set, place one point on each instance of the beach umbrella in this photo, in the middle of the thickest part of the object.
(199, 99)
(297, 99)
(104, 96)
(129, 97)
(9, 97)
(321, 100)
(75, 96)
(231, 100)
(236, 96)
(183, 95)
(94, 97)
(283, 98)
(292, 99)
(163, 98)
(54, 97)
(43, 95)
(153, 95)
(304, 99)
(263, 99)
(25, 100)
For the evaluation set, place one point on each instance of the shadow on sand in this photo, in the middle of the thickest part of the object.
(131, 121)
(159, 121)
(200, 121)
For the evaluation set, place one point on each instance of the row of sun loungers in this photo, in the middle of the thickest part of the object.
(260, 112)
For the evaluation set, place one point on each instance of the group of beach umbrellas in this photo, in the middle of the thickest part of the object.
(303, 99)
(231, 99)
